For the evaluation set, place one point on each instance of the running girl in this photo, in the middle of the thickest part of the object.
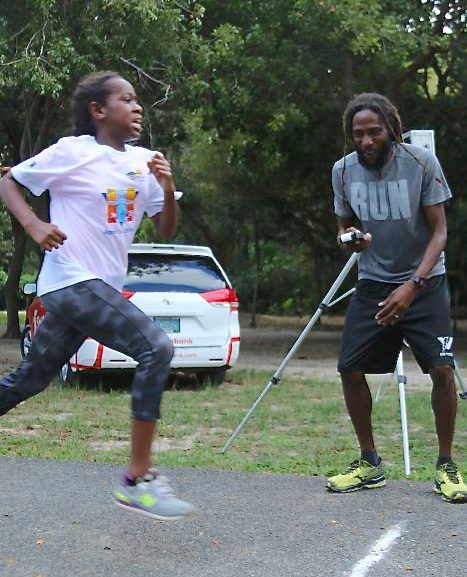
(99, 187)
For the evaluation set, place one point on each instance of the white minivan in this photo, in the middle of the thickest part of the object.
(186, 292)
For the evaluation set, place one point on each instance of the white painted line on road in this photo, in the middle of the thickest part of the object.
(378, 551)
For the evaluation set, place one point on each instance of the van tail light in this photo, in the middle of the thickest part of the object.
(226, 298)
(127, 294)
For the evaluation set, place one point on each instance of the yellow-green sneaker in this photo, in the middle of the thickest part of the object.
(449, 483)
(360, 475)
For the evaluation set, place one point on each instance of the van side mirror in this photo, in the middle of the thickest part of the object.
(30, 288)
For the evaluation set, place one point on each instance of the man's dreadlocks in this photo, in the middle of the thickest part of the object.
(387, 113)
(381, 106)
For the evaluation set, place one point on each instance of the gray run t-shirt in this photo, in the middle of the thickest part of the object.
(389, 203)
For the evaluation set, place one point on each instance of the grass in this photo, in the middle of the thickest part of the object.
(3, 319)
(300, 427)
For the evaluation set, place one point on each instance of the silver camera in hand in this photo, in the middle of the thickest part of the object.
(350, 236)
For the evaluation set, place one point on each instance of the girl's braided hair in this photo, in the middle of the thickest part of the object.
(92, 88)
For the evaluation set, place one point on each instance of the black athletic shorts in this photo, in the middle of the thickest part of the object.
(426, 327)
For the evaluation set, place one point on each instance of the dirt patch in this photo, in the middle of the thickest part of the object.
(9, 354)
(266, 347)
(23, 432)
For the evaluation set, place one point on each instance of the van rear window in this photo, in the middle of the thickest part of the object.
(172, 273)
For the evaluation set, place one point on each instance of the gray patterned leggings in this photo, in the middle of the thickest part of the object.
(92, 309)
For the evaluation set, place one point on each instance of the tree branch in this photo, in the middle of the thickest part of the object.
(142, 72)
(183, 8)
(424, 60)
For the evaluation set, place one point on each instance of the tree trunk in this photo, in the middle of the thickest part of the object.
(43, 108)
(257, 275)
(348, 75)
(14, 274)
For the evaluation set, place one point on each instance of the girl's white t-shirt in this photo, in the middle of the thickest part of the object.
(98, 196)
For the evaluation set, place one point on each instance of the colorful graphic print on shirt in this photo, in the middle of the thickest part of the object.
(135, 174)
(120, 205)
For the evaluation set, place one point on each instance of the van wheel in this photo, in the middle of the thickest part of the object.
(26, 341)
(66, 375)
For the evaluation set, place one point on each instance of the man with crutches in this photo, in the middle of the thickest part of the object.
(394, 194)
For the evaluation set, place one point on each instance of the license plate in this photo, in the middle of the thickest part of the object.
(168, 324)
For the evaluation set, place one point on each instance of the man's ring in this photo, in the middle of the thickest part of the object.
(396, 316)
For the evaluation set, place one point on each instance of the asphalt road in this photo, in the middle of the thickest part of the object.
(57, 520)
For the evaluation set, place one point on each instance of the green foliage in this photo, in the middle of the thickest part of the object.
(56, 43)
(286, 282)
(25, 278)
(263, 127)
(46, 46)
(246, 98)
(351, 23)
(6, 242)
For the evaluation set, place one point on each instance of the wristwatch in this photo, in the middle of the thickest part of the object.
(418, 280)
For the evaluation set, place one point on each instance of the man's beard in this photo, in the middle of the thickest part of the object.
(382, 158)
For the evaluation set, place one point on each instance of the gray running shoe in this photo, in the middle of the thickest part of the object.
(151, 495)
